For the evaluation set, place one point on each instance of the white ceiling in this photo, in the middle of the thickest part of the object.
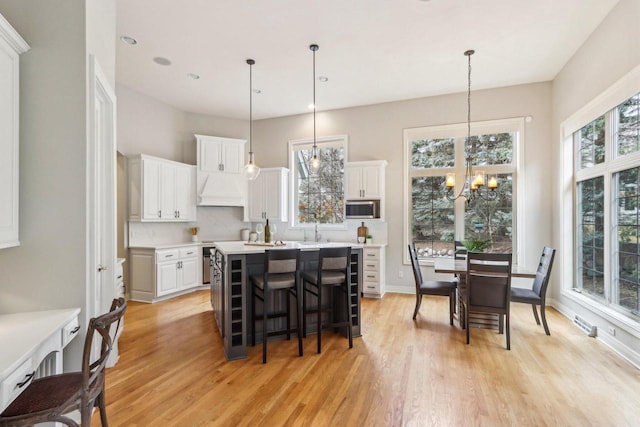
(372, 51)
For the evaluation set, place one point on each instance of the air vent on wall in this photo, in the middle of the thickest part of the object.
(587, 327)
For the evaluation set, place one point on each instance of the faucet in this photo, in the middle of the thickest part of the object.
(316, 236)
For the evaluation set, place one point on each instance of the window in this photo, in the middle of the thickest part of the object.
(607, 224)
(433, 221)
(318, 197)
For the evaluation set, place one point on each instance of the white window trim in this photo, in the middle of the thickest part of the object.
(516, 124)
(616, 94)
(324, 141)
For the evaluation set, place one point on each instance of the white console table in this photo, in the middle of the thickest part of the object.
(32, 345)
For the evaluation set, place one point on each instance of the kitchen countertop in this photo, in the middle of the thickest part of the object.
(165, 245)
(239, 247)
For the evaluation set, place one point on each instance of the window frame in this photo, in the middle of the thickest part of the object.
(605, 103)
(294, 145)
(459, 130)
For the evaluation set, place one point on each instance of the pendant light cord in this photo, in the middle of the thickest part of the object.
(314, 101)
(250, 108)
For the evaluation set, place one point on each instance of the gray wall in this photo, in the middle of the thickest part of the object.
(611, 52)
(48, 270)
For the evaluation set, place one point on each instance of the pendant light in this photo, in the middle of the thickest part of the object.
(251, 170)
(315, 160)
(473, 180)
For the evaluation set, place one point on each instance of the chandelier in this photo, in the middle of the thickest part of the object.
(474, 181)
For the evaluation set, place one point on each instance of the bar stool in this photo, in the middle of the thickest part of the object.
(332, 272)
(281, 271)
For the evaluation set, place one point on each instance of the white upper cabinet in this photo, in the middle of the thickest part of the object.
(365, 180)
(220, 181)
(269, 195)
(11, 46)
(161, 190)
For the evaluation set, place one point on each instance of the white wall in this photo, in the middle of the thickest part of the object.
(48, 270)
(611, 52)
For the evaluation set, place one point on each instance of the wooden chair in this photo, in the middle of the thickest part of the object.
(281, 272)
(488, 287)
(332, 273)
(537, 295)
(48, 399)
(440, 288)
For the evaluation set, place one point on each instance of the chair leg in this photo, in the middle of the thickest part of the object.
(304, 310)
(508, 332)
(466, 322)
(348, 305)
(265, 304)
(299, 314)
(103, 412)
(544, 320)
(85, 414)
(319, 323)
(418, 302)
(288, 317)
(535, 313)
(452, 306)
(500, 325)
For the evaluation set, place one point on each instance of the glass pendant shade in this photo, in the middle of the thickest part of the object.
(251, 170)
(315, 164)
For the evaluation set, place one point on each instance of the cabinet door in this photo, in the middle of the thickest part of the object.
(210, 160)
(189, 272)
(168, 192)
(272, 196)
(370, 178)
(166, 277)
(232, 155)
(257, 197)
(353, 182)
(183, 190)
(151, 189)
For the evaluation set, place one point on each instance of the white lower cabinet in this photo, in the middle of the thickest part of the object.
(158, 274)
(373, 274)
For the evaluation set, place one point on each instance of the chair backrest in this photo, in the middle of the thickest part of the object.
(544, 271)
(417, 274)
(334, 259)
(489, 280)
(93, 366)
(279, 261)
(459, 250)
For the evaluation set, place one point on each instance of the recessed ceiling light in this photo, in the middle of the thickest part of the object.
(129, 40)
(193, 76)
(323, 79)
(161, 61)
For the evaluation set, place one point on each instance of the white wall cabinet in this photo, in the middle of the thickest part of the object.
(269, 195)
(161, 190)
(373, 271)
(365, 180)
(158, 274)
(220, 181)
(11, 46)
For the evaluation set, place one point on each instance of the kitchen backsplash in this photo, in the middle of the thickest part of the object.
(225, 223)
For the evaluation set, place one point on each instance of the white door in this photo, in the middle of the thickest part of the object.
(101, 193)
(189, 270)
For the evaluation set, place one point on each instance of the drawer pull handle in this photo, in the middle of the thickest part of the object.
(168, 256)
(76, 329)
(26, 379)
(371, 277)
(189, 253)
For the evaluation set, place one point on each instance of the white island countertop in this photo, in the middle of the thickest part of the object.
(242, 248)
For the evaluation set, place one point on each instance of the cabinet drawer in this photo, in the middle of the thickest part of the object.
(188, 252)
(369, 254)
(70, 331)
(371, 265)
(371, 276)
(16, 382)
(167, 255)
(369, 287)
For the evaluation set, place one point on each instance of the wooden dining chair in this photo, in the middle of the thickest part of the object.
(537, 294)
(438, 288)
(49, 398)
(488, 287)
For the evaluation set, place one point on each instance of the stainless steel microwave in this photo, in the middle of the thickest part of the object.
(363, 209)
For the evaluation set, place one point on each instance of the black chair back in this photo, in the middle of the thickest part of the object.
(415, 264)
(489, 281)
(544, 271)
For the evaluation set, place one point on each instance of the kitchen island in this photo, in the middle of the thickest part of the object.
(231, 265)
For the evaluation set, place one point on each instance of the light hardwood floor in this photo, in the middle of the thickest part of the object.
(172, 372)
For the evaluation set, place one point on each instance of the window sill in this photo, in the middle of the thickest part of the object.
(610, 315)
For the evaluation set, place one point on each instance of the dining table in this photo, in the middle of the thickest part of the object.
(459, 268)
